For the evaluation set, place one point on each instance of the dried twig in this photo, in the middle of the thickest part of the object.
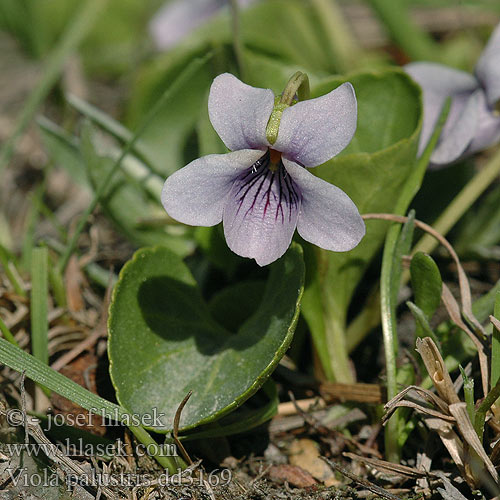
(175, 431)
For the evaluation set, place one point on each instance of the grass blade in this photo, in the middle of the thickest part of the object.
(39, 304)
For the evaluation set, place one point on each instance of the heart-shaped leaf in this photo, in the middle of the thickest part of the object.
(163, 341)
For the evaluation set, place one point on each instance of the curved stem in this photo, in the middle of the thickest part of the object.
(298, 84)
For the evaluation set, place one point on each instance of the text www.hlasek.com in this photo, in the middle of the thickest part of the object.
(81, 449)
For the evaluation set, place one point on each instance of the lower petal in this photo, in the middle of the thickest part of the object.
(260, 214)
(328, 217)
(196, 194)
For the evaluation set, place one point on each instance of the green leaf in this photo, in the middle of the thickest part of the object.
(426, 282)
(247, 294)
(164, 342)
(372, 171)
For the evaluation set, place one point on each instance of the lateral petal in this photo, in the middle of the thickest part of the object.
(196, 194)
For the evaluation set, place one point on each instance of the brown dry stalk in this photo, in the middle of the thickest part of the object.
(437, 370)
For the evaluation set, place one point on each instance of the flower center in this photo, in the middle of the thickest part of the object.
(274, 160)
(266, 190)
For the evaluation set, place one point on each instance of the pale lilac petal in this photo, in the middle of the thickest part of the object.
(328, 217)
(313, 131)
(488, 129)
(261, 214)
(239, 113)
(196, 194)
(439, 82)
(178, 18)
(459, 130)
(488, 68)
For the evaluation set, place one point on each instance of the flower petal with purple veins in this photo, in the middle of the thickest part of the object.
(239, 113)
(260, 214)
(488, 68)
(328, 217)
(196, 194)
(313, 131)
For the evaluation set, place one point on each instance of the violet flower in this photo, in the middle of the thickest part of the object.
(261, 191)
(178, 18)
(473, 122)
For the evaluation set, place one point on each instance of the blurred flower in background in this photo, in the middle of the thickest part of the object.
(473, 122)
(178, 18)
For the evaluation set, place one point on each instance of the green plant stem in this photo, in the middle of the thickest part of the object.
(461, 203)
(151, 445)
(387, 305)
(237, 40)
(344, 49)
(495, 346)
(487, 403)
(39, 304)
(83, 21)
(415, 42)
(298, 84)
(5, 261)
(7, 333)
(179, 82)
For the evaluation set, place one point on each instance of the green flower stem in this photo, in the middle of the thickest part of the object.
(344, 48)
(462, 202)
(298, 84)
(83, 21)
(237, 41)
(415, 42)
(145, 438)
(179, 82)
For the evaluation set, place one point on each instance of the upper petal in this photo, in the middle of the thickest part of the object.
(196, 194)
(328, 217)
(239, 113)
(438, 82)
(459, 130)
(313, 131)
(488, 68)
(261, 213)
